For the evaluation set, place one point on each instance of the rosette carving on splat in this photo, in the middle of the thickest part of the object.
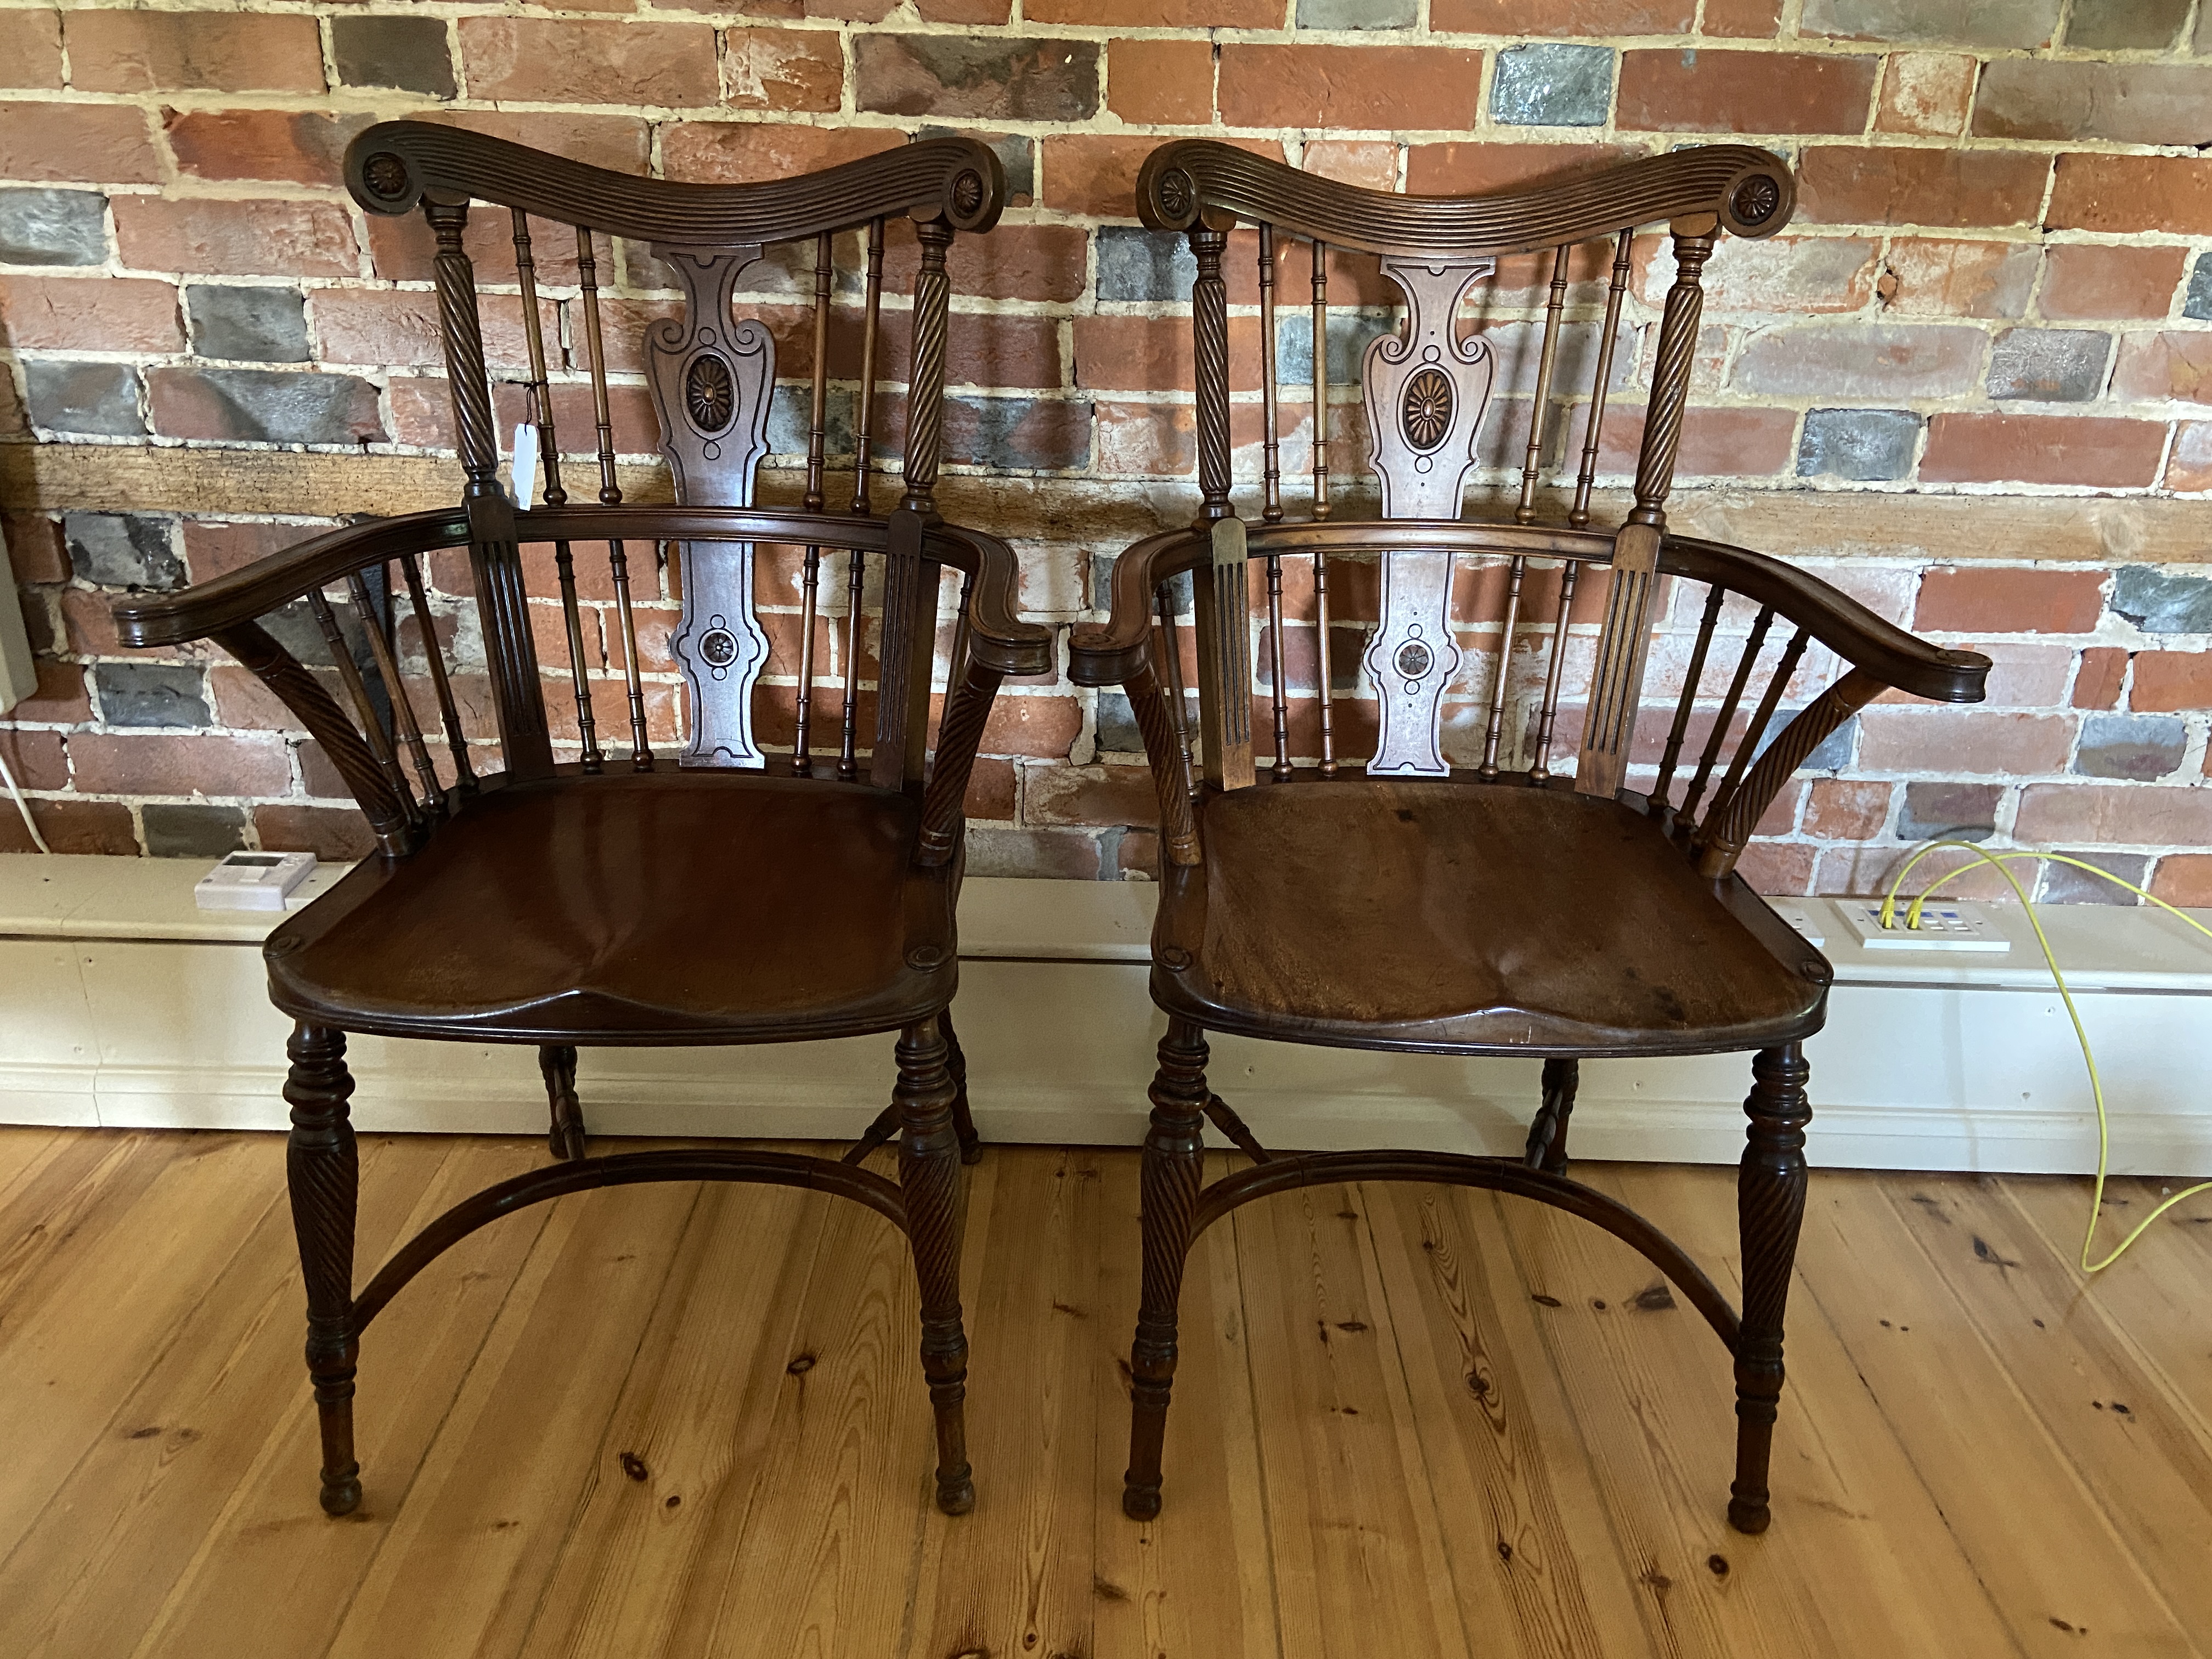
(1426, 390)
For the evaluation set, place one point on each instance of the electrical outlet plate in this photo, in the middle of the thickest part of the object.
(252, 881)
(1945, 925)
(1801, 916)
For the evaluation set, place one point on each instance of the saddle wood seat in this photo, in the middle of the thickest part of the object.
(664, 908)
(1430, 914)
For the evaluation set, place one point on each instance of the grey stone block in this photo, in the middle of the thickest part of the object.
(53, 227)
(247, 325)
(100, 398)
(1957, 812)
(259, 406)
(979, 78)
(1358, 14)
(151, 694)
(1859, 443)
(1349, 335)
(1834, 752)
(1117, 730)
(2198, 302)
(1135, 264)
(193, 832)
(2158, 602)
(409, 52)
(2049, 365)
(1552, 86)
(2063, 884)
(2125, 25)
(123, 550)
(1960, 22)
(2142, 747)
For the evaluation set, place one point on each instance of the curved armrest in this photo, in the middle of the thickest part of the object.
(996, 637)
(239, 597)
(1110, 654)
(1854, 632)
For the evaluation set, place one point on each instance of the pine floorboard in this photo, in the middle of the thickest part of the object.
(1409, 1420)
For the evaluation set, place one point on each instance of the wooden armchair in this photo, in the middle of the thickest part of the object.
(612, 892)
(1506, 905)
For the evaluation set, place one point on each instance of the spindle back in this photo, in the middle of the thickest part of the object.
(1424, 385)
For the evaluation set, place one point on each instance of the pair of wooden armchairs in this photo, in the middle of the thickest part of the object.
(790, 868)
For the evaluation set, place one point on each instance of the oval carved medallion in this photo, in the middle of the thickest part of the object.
(710, 394)
(1427, 414)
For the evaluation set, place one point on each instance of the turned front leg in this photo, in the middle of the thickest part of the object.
(1173, 1170)
(323, 1172)
(1770, 1206)
(929, 1174)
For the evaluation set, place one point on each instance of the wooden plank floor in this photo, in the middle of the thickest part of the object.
(1410, 1421)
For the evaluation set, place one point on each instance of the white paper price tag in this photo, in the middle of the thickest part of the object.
(525, 464)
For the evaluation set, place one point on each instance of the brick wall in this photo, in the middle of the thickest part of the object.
(1970, 385)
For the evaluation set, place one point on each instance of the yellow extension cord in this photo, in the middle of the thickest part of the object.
(1998, 860)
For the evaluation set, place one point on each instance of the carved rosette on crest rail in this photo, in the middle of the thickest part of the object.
(1425, 392)
(711, 382)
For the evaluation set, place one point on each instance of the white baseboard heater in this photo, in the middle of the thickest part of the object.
(122, 1005)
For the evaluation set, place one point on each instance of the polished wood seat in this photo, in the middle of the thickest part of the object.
(635, 910)
(1401, 914)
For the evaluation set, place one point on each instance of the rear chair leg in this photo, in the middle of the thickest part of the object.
(566, 1135)
(929, 1174)
(971, 1144)
(1173, 1167)
(1547, 1132)
(1770, 1204)
(323, 1171)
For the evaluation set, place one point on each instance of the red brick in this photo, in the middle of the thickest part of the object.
(1042, 727)
(2183, 879)
(31, 48)
(2097, 682)
(782, 69)
(746, 152)
(1692, 91)
(1159, 14)
(384, 328)
(1946, 276)
(1092, 795)
(2132, 192)
(2190, 467)
(1925, 93)
(2114, 814)
(1014, 262)
(236, 237)
(218, 50)
(620, 143)
(297, 145)
(1745, 20)
(34, 547)
(1369, 163)
(1323, 86)
(1962, 741)
(2167, 365)
(72, 826)
(1146, 440)
(1517, 18)
(337, 834)
(1164, 82)
(95, 313)
(38, 759)
(986, 12)
(172, 765)
(1471, 168)
(1858, 185)
(1980, 599)
(60, 698)
(992, 791)
(1096, 173)
(2071, 99)
(1798, 275)
(98, 143)
(549, 60)
(1780, 868)
(2085, 280)
(1153, 353)
(1846, 809)
(2076, 449)
(1717, 443)
(2171, 681)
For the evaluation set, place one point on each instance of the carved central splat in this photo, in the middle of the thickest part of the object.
(711, 381)
(1426, 390)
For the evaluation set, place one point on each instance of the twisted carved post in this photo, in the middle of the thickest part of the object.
(1770, 1204)
(1209, 321)
(1174, 1156)
(1548, 1134)
(565, 1136)
(929, 1174)
(323, 1171)
(1670, 374)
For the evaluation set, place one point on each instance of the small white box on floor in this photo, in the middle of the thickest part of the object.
(253, 881)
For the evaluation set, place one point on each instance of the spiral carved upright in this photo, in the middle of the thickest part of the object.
(929, 1176)
(1770, 1206)
(323, 1171)
(925, 404)
(1548, 1134)
(1209, 325)
(1170, 780)
(1670, 378)
(465, 354)
(958, 733)
(1173, 1166)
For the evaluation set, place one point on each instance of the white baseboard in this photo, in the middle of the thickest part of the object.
(122, 1009)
